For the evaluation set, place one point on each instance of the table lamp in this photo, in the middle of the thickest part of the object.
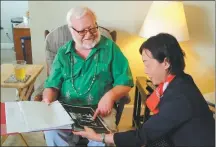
(166, 17)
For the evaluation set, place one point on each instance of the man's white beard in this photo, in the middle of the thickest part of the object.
(87, 46)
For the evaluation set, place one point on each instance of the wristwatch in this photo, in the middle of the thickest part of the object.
(103, 137)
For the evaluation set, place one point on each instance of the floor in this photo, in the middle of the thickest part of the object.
(36, 138)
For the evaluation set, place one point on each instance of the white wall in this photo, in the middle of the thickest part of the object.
(127, 17)
(201, 21)
(11, 9)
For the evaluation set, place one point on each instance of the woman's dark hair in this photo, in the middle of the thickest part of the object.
(166, 46)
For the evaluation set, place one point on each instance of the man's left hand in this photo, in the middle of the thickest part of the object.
(104, 106)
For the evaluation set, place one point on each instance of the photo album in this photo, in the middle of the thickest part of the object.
(30, 116)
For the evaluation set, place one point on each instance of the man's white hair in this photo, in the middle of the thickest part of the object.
(79, 12)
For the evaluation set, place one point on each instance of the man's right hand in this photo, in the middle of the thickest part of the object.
(50, 95)
(47, 101)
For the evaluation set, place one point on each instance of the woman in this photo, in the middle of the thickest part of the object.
(181, 114)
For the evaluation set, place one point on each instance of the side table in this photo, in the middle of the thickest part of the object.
(24, 89)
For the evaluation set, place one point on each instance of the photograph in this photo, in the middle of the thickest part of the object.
(83, 116)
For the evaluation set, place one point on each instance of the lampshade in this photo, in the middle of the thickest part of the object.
(166, 17)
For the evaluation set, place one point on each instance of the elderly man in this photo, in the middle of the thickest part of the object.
(88, 70)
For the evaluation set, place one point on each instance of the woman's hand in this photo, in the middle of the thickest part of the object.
(90, 134)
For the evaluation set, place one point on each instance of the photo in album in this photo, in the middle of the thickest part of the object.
(83, 116)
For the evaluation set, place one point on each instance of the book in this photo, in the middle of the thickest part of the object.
(83, 116)
(30, 116)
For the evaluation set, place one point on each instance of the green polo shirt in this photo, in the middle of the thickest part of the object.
(85, 81)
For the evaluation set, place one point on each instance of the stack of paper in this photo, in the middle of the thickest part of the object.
(28, 116)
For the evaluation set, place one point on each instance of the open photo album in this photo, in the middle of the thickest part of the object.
(30, 116)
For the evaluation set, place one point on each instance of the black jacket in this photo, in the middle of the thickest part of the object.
(183, 116)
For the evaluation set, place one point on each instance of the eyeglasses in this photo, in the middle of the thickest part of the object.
(84, 32)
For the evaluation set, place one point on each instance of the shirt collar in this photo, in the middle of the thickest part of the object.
(69, 46)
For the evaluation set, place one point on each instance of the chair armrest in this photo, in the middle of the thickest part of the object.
(124, 100)
(120, 107)
(37, 94)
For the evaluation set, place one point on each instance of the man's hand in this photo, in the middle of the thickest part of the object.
(47, 101)
(105, 105)
(49, 95)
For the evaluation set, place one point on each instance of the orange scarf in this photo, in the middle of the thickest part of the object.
(154, 99)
